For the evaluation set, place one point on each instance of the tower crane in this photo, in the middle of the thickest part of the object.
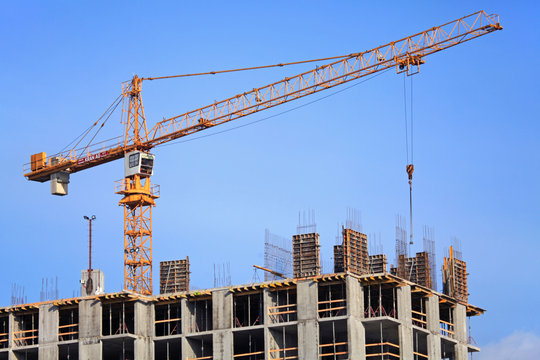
(134, 145)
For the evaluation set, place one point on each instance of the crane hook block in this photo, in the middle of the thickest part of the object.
(410, 170)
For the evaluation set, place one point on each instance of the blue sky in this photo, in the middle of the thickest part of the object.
(476, 146)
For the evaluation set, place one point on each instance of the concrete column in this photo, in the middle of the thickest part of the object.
(11, 328)
(223, 345)
(433, 326)
(187, 351)
(461, 351)
(48, 332)
(267, 302)
(460, 323)
(187, 319)
(90, 330)
(355, 312)
(405, 326)
(144, 330)
(308, 328)
(460, 331)
(222, 304)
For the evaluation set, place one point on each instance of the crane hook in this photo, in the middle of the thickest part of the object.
(410, 170)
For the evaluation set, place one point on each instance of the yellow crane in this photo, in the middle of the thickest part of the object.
(134, 145)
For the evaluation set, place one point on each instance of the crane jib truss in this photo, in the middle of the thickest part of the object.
(406, 55)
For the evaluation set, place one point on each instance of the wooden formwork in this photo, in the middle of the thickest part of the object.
(377, 264)
(306, 255)
(174, 276)
(355, 252)
(416, 269)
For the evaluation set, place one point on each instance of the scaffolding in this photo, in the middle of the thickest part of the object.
(306, 255)
(277, 255)
(174, 276)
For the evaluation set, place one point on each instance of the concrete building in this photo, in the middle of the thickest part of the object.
(334, 316)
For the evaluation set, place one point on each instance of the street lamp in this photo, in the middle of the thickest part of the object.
(89, 282)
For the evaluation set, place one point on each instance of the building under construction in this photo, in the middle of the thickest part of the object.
(359, 312)
(333, 316)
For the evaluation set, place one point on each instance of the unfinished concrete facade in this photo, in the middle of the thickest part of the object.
(336, 316)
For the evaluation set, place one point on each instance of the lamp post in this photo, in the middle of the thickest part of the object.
(89, 281)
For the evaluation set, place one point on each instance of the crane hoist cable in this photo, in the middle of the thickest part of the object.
(410, 165)
(274, 115)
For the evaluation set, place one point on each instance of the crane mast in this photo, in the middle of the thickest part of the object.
(139, 195)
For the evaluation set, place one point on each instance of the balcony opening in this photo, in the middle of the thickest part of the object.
(248, 310)
(332, 300)
(168, 319)
(380, 301)
(200, 311)
(118, 318)
(333, 340)
(283, 306)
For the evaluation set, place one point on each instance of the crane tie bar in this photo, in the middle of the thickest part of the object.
(249, 68)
